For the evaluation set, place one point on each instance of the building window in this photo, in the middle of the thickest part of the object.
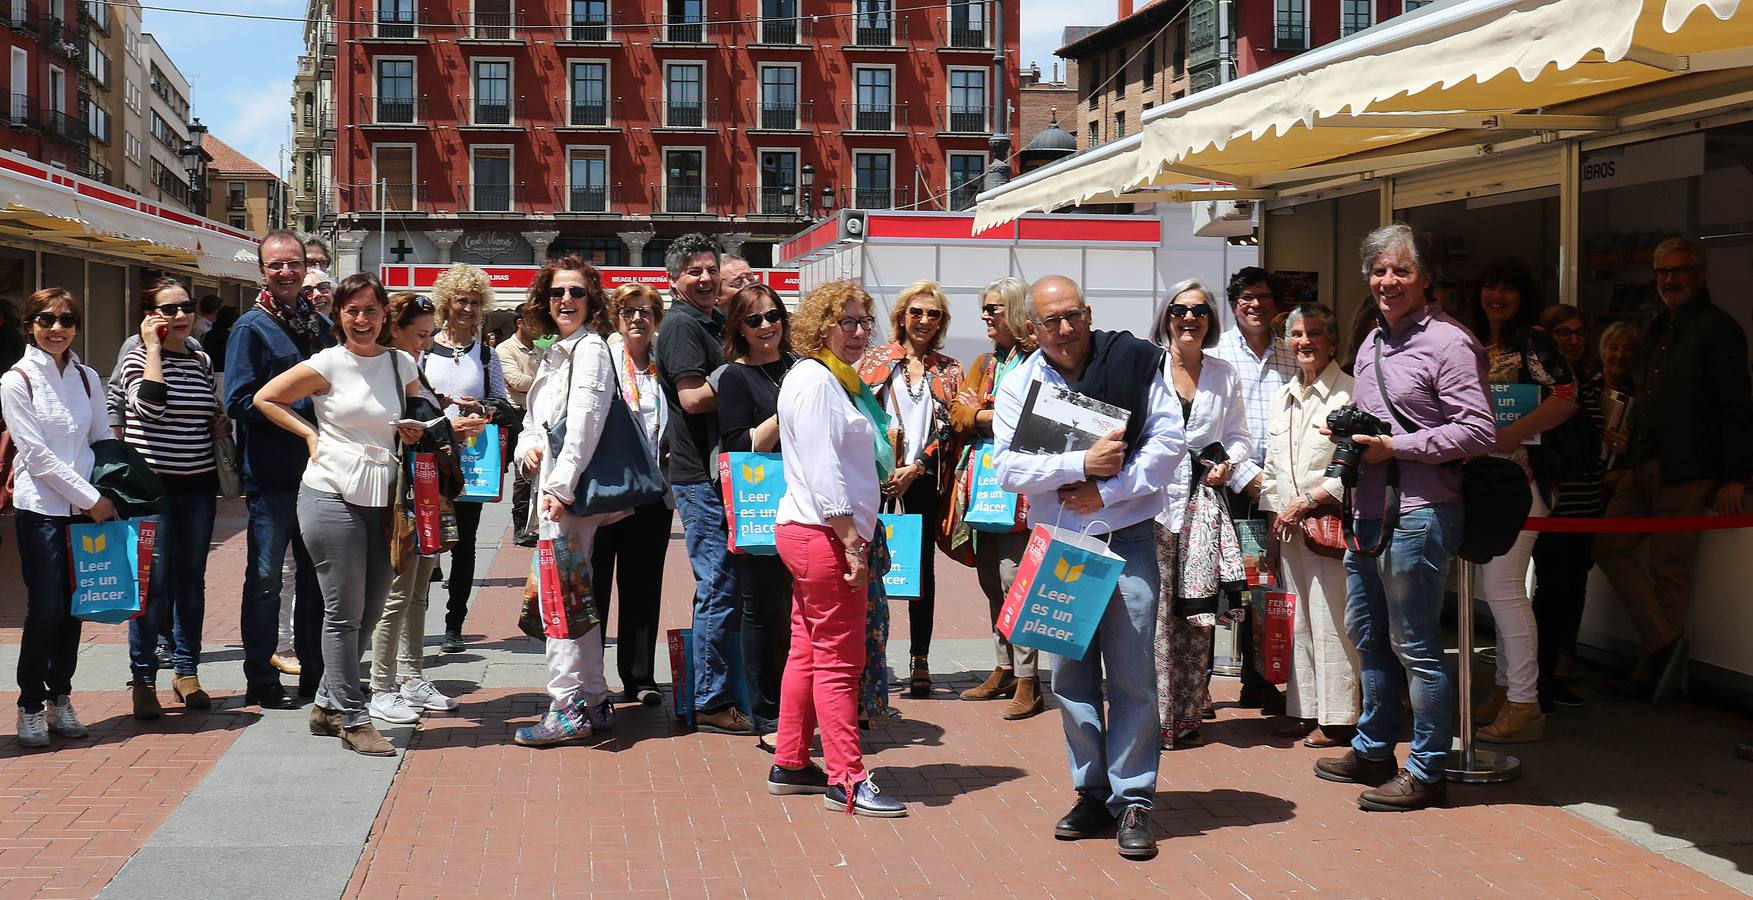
(1417, 4)
(1147, 68)
(1291, 25)
(968, 23)
(779, 21)
(587, 173)
(875, 99)
(684, 21)
(684, 181)
(493, 20)
(238, 221)
(778, 183)
(874, 23)
(393, 167)
(684, 88)
(968, 101)
(1095, 133)
(99, 122)
(236, 194)
(133, 149)
(131, 94)
(590, 20)
(492, 92)
(1119, 124)
(395, 91)
(1095, 80)
(967, 173)
(310, 173)
(1119, 73)
(131, 42)
(873, 180)
(590, 90)
(492, 190)
(1355, 16)
(97, 65)
(395, 18)
(779, 98)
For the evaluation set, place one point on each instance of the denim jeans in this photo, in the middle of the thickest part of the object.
(178, 593)
(717, 592)
(48, 651)
(1393, 613)
(1115, 757)
(273, 526)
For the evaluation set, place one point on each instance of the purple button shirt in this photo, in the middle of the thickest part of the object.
(1436, 378)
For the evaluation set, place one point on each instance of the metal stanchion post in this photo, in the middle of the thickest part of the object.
(1468, 764)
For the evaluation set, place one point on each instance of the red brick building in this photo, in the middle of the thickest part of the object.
(505, 131)
(1268, 33)
(44, 77)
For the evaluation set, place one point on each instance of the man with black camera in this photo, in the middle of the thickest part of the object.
(1404, 459)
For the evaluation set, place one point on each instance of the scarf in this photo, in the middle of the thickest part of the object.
(867, 404)
(301, 321)
(1120, 370)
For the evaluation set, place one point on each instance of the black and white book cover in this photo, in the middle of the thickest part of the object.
(1057, 419)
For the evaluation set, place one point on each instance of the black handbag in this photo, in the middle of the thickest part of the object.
(622, 474)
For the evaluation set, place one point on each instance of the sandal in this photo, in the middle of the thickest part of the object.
(919, 682)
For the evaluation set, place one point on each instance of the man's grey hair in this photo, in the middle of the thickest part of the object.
(1159, 332)
(725, 259)
(687, 247)
(1681, 245)
(320, 244)
(1398, 237)
(1328, 318)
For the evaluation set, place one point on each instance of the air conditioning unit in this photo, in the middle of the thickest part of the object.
(1223, 218)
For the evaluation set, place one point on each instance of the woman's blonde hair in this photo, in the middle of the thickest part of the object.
(820, 311)
(1615, 331)
(1013, 292)
(458, 280)
(898, 314)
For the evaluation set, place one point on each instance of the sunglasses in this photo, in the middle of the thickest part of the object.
(920, 312)
(167, 310)
(311, 290)
(754, 320)
(1196, 311)
(50, 320)
(992, 309)
(577, 293)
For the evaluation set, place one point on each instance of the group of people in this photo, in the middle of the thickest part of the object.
(328, 387)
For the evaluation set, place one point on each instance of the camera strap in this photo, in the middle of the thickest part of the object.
(1391, 510)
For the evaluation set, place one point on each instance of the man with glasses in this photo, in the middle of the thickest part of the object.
(1690, 447)
(1265, 365)
(688, 351)
(734, 274)
(279, 332)
(1112, 490)
(519, 358)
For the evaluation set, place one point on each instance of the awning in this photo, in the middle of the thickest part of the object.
(1451, 82)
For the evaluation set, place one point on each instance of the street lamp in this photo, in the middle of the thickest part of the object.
(827, 200)
(807, 178)
(192, 162)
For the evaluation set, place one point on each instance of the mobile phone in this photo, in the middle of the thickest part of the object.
(162, 331)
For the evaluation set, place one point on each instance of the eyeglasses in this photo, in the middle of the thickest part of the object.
(1194, 311)
(311, 290)
(1053, 323)
(576, 292)
(289, 264)
(992, 309)
(754, 320)
(851, 325)
(167, 310)
(1670, 271)
(1255, 298)
(1570, 334)
(742, 281)
(920, 312)
(466, 304)
(50, 320)
(634, 312)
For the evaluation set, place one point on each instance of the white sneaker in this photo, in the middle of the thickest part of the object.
(391, 707)
(421, 694)
(33, 728)
(62, 719)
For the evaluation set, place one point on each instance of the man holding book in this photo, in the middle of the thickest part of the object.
(1108, 488)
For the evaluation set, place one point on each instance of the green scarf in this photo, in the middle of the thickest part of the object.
(867, 403)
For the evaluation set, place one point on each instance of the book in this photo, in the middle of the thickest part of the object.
(1615, 416)
(1057, 419)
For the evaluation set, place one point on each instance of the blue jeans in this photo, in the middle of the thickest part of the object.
(179, 587)
(717, 592)
(273, 527)
(1393, 613)
(1117, 761)
(48, 651)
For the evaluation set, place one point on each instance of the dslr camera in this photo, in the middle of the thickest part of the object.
(1347, 423)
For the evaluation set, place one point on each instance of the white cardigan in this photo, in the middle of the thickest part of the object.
(830, 452)
(586, 356)
(1300, 411)
(53, 421)
(1220, 415)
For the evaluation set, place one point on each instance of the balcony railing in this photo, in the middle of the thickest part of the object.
(963, 197)
(66, 127)
(785, 31)
(494, 196)
(20, 112)
(878, 31)
(1289, 36)
(967, 120)
(591, 113)
(496, 26)
(20, 14)
(588, 198)
(505, 111)
(686, 199)
(880, 198)
(876, 116)
(685, 30)
(589, 29)
(698, 114)
(393, 110)
(775, 201)
(784, 116)
(392, 196)
(967, 32)
(398, 27)
(62, 37)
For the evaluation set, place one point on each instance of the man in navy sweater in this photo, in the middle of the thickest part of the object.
(281, 331)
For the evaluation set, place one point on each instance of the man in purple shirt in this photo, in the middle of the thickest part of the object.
(1434, 371)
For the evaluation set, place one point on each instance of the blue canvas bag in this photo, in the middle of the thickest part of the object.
(1061, 591)
(480, 461)
(906, 537)
(990, 507)
(109, 581)
(752, 484)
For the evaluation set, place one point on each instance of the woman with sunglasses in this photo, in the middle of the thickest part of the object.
(466, 371)
(759, 351)
(173, 416)
(916, 384)
(54, 412)
(639, 542)
(1197, 554)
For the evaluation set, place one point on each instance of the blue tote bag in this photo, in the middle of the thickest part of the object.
(990, 507)
(480, 462)
(109, 574)
(752, 484)
(1061, 590)
(906, 537)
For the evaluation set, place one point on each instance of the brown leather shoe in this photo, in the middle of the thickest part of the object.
(146, 705)
(187, 689)
(1404, 793)
(728, 720)
(1296, 728)
(1328, 736)
(1000, 684)
(1354, 769)
(1028, 701)
(1516, 723)
(366, 740)
(323, 722)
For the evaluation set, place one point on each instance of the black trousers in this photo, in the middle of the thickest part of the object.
(922, 498)
(1561, 573)
(639, 543)
(766, 635)
(462, 565)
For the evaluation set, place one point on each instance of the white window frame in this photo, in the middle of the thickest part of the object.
(663, 10)
(796, 178)
(413, 171)
(853, 153)
(131, 42)
(665, 118)
(413, 92)
(949, 18)
(510, 177)
(797, 92)
(608, 19)
(1305, 24)
(985, 97)
(510, 88)
(949, 185)
(414, 8)
(1369, 7)
(853, 84)
(663, 160)
(608, 84)
(93, 111)
(511, 28)
(608, 164)
(57, 100)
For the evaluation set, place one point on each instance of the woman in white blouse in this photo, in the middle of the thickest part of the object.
(55, 411)
(575, 383)
(1294, 484)
(358, 387)
(1191, 536)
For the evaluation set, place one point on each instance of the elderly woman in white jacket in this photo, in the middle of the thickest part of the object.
(1196, 544)
(575, 381)
(1294, 485)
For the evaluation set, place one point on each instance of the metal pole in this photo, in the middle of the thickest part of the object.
(1468, 764)
(383, 185)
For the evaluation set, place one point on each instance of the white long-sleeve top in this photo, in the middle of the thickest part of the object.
(830, 452)
(585, 356)
(1220, 415)
(1128, 498)
(53, 421)
(1298, 413)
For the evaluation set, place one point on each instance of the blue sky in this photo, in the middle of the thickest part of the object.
(240, 71)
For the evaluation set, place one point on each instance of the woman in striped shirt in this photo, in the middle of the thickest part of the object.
(173, 416)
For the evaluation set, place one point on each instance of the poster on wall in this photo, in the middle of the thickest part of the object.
(1299, 287)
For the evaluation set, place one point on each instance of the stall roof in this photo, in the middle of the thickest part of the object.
(1454, 82)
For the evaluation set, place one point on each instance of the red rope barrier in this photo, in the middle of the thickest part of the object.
(1638, 526)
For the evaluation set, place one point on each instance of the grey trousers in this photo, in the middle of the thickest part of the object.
(996, 558)
(349, 547)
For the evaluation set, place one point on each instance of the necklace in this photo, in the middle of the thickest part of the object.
(762, 368)
(912, 394)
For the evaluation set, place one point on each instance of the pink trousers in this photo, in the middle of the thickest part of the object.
(827, 655)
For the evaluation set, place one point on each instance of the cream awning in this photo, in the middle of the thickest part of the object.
(1450, 82)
